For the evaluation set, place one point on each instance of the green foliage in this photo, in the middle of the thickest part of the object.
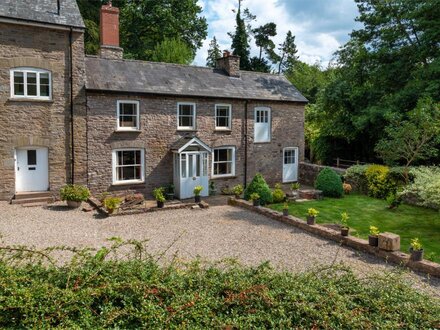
(214, 53)
(344, 219)
(311, 212)
(97, 291)
(374, 231)
(240, 38)
(287, 58)
(75, 192)
(426, 186)
(147, 23)
(329, 182)
(197, 190)
(112, 203)
(158, 194)
(356, 175)
(259, 186)
(278, 194)
(254, 197)
(379, 184)
(238, 190)
(416, 245)
(295, 186)
(172, 51)
(394, 200)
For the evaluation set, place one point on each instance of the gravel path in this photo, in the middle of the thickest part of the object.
(215, 233)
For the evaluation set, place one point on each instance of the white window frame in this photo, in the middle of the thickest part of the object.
(223, 128)
(25, 71)
(114, 164)
(232, 163)
(269, 123)
(125, 129)
(187, 128)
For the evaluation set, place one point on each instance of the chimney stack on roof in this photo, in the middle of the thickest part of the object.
(229, 63)
(109, 32)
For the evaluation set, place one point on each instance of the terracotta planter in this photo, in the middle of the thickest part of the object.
(344, 231)
(285, 212)
(73, 204)
(160, 204)
(256, 202)
(311, 220)
(416, 255)
(373, 240)
(197, 199)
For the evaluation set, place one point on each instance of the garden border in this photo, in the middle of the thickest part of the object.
(396, 257)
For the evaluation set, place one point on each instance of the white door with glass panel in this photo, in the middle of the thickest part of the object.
(194, 172)
(262, 125)
(31, 169)
(290, 164)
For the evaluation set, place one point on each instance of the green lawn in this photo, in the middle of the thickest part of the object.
(407, 221)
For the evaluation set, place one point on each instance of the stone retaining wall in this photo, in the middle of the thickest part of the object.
(308, 172)
(396, 257)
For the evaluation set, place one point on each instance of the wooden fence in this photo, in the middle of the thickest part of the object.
(345, 163)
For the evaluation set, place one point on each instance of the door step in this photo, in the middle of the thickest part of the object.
(33, 198)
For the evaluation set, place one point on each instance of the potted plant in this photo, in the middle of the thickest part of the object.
(295, 187)
(416, 250)
(158, 194)
(255, 198)
(286, 209)
(311, 216)
(344, 224)
(74, 194)
(373, 238)
(237, 190)
(212, 188)
(111, 204)
(197, 190)
(169, 192)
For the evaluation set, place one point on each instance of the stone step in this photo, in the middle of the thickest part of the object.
(38, 204)
(32, 200)
(27, 195)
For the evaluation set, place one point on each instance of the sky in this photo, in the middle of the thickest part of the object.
(320, 26)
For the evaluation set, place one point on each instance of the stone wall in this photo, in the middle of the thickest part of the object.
(308, 172)
(42, 123)
(158, 131)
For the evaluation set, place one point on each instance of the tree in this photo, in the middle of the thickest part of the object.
(287, 57)
(413, 139)
(172, 51)
(259, 65)
(240, 38)
(263, 35)
(214, 53)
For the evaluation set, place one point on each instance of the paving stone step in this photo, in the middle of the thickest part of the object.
(32, 200)
(27, 195)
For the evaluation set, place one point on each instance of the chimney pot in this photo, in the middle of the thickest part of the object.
(229, 63)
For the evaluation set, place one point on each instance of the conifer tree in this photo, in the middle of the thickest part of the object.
(214, 53)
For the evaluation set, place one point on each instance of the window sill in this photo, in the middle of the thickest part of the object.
(221, 130)
(127, 131)
(187, 130)
(29, 99)
(127, 183)
(218, 177)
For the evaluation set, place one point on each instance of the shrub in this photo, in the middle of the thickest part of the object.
(74, 192)
(356, 176)
(112, 203)
(237, 190)
(278, 194)
(158, 194)
(329, 182)
(254, 197)
(258, 185)
(295, 186)
(374, 231)
(311, 212)
(379, 184)
(426, 187)
(394, 201)
(197, 190)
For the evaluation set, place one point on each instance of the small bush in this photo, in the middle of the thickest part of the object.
(394, 201)
(112, 203)
(259, 186)
(329, 182)
(278, 194)
(74, 192)
(426, 187)
(158, 194)
(379, 184)
(238, 190)
(355, 175)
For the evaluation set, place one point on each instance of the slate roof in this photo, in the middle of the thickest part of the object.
(43, 11)
(173, 79)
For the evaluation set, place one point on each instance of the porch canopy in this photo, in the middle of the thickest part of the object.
(190, 166)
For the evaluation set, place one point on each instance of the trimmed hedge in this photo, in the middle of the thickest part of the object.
(258, 185)
(329, 182)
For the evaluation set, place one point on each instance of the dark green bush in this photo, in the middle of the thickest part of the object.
(95, 292)
(258, 185)
(329, 182)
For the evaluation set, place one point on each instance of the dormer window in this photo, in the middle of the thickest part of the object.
(31, 83)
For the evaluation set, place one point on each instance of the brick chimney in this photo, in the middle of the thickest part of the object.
(230, 64)
(109, 32)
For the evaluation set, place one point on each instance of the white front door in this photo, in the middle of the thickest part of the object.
(194, 172)
(290, 164)
(31, 169)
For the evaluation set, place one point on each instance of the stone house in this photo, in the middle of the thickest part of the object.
(123, 125)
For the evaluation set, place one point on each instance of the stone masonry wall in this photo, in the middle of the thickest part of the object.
(158, 132)
(309, 172)
(42, 123)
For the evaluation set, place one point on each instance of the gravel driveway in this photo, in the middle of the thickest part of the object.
(215, 233)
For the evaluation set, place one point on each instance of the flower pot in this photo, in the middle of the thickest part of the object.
(311, 220)
(416, 255)
(160, 204)
(344, 231)
(169, 196)
(285, 212)
(256, 202)
(73, 204)
(373, 240)
(295, 194)
(197, 199)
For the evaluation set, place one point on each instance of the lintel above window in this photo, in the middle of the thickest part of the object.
(31, 83)
(127, 115)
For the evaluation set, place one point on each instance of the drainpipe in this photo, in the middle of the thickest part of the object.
(72, 142)
(245, 141)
